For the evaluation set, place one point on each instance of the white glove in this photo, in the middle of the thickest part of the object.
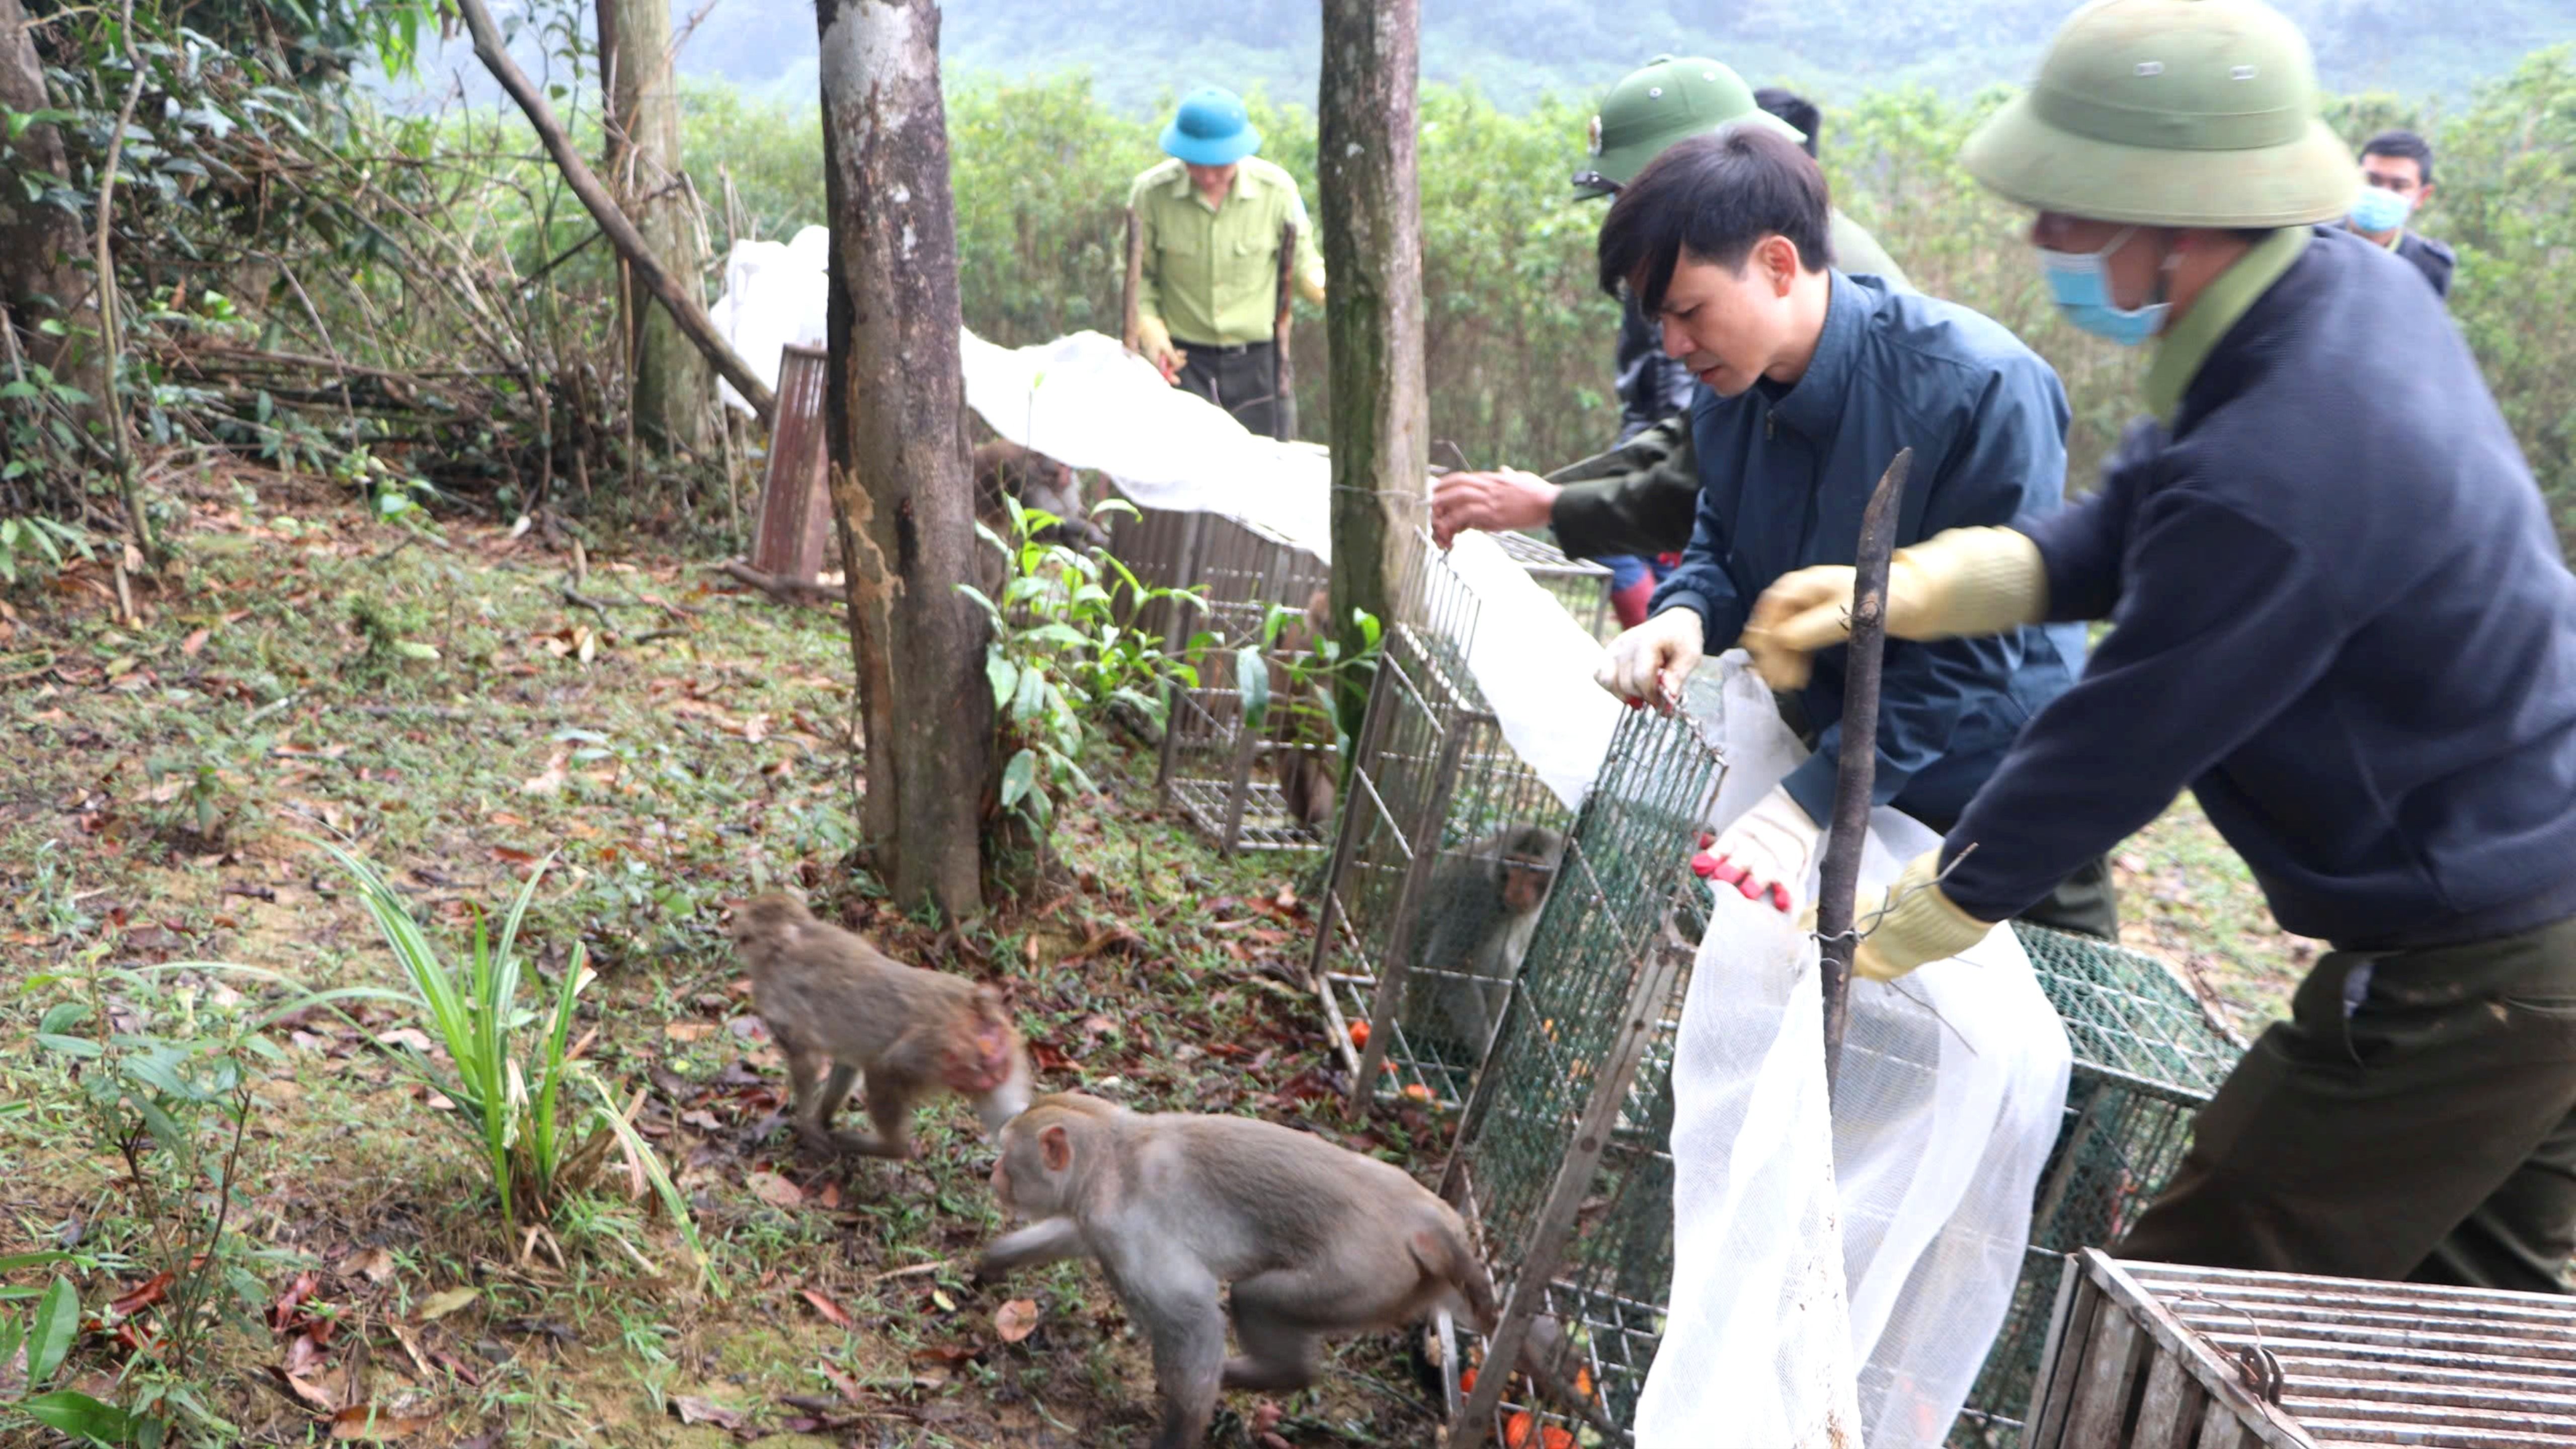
(1766, 853)
(1648, 662)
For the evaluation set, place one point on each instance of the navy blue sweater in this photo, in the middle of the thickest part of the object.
(2339, 616)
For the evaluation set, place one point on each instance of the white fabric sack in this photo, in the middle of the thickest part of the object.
(1953, 1084)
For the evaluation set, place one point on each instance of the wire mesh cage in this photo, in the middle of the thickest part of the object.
(1562, 1162)
(1224, 778)
(1442, 862)
(1581, 585)
(2147, 1057)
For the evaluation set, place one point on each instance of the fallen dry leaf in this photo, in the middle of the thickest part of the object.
(824, 1305)
(701, 1411)
(439, 1305)
(195, 641)
(1016, 1319)
(376, 1265)
(689, 1030)
(552, 780)
(776, 1191)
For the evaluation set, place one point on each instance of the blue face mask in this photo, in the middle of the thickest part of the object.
(2081, 283)
(2380, 210)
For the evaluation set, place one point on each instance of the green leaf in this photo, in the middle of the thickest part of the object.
(62, 1016)
(1005, 677)
(1252, 678)
(50, 1333)
(1018, 777)
(67, 1411)
(70, 1046)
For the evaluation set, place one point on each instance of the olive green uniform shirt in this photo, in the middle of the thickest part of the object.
(1211, 274)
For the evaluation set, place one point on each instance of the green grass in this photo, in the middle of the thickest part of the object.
(688, 748)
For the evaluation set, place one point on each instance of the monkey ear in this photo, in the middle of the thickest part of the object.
(1056, 1148)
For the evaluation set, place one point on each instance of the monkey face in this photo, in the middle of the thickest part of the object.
(1525, 885)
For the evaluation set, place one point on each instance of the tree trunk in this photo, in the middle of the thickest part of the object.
(900, 485)
(1371, 213)
(40, 244)
(674, 389)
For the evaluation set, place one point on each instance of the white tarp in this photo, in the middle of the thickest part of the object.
(1953, 1082)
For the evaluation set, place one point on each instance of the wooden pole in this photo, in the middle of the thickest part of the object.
(1283, 368)
(1836, 900)
(621, 233)
(1133, 297)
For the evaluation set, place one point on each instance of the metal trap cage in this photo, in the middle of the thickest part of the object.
(1221, 776)
(2147, 1057)
(1581, 585)
(1409, 903)
(1562, 1162)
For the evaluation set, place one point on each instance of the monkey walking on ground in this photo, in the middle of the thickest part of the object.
(1474, 927)
(1308, 778)
(826, 994)
(1317, 1241)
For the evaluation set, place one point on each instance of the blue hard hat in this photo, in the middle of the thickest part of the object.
(1211, 129)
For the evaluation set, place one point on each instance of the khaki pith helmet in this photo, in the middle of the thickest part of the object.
(1671, 99)
(2170, 113)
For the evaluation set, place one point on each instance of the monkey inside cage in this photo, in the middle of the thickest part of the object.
(1447, 844)
(1562, 1164)
(1269, 786)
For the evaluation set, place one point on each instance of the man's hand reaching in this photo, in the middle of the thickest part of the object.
(1494, 502)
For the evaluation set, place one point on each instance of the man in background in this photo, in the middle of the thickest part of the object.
(1632, 508)
(2397, 177)
(1209, 220)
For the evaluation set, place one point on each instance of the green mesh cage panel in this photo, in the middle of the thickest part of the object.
(2147, 1056)
(1624, 896)
(1434, 786)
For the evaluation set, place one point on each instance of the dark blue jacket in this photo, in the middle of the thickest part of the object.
(1784, 475)
(2339, 615)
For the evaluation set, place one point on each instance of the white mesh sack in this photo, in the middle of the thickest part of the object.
(1952, 1083)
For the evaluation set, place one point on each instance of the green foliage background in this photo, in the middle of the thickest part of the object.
(1519, 341)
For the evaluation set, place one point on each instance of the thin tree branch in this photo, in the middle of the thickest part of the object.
(684, 309)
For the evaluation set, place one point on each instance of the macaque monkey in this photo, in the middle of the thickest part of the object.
(1317, 1241)
(826, 994)
(1308, 780)
(1477, 917)
(1038, 481)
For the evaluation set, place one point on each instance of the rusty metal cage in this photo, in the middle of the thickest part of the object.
(1562, 1162)
(2146, 1354)
(2147, 1057)
(1434, 790)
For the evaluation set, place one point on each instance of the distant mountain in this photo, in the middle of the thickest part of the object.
(1142, 52)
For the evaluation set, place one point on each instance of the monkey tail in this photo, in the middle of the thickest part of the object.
(1443, 1254)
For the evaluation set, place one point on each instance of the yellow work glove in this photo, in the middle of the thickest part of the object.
(1656, 656)
(1915, 923)
(1965, 581)
(1154, 343)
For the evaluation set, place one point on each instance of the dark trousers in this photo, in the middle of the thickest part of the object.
(1243, 380)
(2414, 1119)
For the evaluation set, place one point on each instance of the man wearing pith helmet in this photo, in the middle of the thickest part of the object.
(2339, 617)
(1209, 219)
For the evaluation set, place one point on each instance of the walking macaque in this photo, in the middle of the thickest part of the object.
(1475, 924)
(827, 994)
(1317, 1241)
(1308, 780)
(1039, 482)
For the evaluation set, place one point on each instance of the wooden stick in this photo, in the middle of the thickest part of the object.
(684, 307)
(1837, 899)
(785, 590)
(1133, 298)
(1283, 369)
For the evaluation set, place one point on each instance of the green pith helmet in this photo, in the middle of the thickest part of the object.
(1672, 99)
(2170, 113)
